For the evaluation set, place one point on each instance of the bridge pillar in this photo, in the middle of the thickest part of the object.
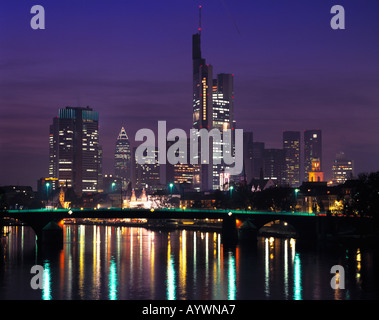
(51, 235)
(248, 232)
(309, 230)
(229, 231)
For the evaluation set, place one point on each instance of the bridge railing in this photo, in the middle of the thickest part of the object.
(181, 210)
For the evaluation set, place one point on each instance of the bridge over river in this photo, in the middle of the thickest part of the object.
(308, 226)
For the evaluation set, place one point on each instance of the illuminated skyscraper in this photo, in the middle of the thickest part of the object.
(222, 101)
(212, 106)
(312, 150)
(74, 149)
(122, 157)
(202, 105)
(342, 169)
(147, 175)
(291, 147)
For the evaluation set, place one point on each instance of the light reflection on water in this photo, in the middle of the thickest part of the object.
(108, 262)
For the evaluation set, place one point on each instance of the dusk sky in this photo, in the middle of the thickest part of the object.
(131, 61)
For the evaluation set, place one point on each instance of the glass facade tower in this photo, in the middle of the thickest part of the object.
(74, 152)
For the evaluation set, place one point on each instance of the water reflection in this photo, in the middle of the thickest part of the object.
(281, 265)
(112, 280)
(232, 290)
(46, 289)
(170, 273)
(108, 262)
(297, 278)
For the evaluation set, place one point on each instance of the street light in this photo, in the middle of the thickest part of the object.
(231, 190)
(47, 192)
(296, 192)
(171, 186)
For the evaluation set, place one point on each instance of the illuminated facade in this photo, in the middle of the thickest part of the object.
(316, 175)
(222, 100)
(74, 153)
(122, 157)
(291, 147)
(183, 175)
(342, 169)
(312, 150)
(147, 175)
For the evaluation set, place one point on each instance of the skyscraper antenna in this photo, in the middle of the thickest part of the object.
(200, 19)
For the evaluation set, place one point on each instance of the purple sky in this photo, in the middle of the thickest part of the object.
(131, 62)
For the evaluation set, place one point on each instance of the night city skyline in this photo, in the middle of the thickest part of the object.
(132, 64)
(189, 157)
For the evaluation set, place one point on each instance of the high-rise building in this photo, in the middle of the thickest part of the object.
(342, 169)
(258, 160)
(122, 157)
(312, 150)
(202, 104)
(248, 156)
(222, 100)
(147, 175)
(291, 147)
(212, 107)
(274, 165)
(184, 176)
(74, 149)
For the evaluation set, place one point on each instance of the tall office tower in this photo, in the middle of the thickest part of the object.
(342, 169)
(202, 104)
(258, 159)
(100, 185)
(248, 156)
(212, 107)
(312, 150)
(274, 165)
(222, 100)
(122, 157)
(291, 147)
(74, 149)
(147, 175)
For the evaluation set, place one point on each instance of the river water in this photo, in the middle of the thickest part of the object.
(114, 262)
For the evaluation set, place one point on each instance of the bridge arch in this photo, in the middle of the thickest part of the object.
(304, 227)
(278, 227)
(47, 229)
